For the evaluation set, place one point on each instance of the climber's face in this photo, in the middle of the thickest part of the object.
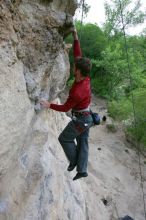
(77, 74)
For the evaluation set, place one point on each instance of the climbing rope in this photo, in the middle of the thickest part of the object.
(82, 17)
(134, 110)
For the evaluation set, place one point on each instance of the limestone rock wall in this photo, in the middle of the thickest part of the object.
(34, 64)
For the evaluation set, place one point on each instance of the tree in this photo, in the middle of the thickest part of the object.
(83, 9)
(122, 14)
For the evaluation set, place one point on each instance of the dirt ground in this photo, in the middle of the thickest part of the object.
(113, 188)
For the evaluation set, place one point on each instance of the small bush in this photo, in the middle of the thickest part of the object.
(133, 110)
(70, 83)
(120, 110)
(99, 88)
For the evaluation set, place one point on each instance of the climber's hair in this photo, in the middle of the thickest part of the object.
(84, 65)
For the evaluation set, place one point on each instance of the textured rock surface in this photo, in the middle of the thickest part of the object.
(34, 64)
(34, 183)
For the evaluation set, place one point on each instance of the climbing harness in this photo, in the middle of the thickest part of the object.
(82, 17)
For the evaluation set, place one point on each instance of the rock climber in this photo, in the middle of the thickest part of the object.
(79, 101)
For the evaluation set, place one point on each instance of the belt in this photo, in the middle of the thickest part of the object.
(85, 113)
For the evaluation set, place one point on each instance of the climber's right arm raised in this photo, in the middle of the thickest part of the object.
(76, 46)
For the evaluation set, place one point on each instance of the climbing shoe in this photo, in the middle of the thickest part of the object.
(80, 175)
(71, 167)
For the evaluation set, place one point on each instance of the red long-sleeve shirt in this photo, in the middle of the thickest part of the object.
(79, 95)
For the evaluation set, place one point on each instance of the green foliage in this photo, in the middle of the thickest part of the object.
(93, 42)
(84, 7)
(122, 13)
(125, 67)
(99, 87)
(70, 82)
(118, 75)
(115, 69)
(120, 110)
(91, 37)
(127, 108)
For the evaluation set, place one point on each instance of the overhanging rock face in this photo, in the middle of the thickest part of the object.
(34, 64)
(40, 27)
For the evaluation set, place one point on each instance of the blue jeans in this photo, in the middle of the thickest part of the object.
(78, 129)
